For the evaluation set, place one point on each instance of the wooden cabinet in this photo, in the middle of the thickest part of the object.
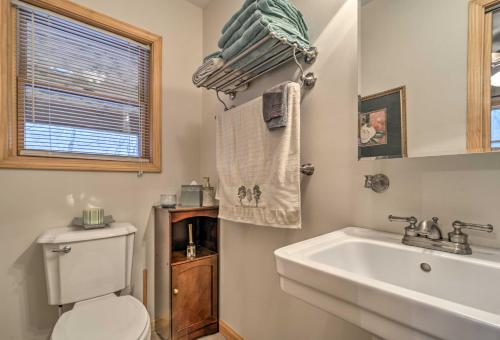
(194, 296)
(186, 290)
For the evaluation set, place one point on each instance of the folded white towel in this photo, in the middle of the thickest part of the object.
(208, 68)
(259, 170)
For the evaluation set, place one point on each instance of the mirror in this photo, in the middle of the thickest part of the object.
(413, 79)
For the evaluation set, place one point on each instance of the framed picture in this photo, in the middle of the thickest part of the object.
(382, 125)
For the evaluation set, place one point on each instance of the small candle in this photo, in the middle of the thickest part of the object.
(190, 227)
(93, 216)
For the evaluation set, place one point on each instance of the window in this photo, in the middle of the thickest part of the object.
(495, 128)
(86, 91)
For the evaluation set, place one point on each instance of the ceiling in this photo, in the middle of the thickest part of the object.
(200, 3)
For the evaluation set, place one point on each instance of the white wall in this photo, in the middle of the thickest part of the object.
(33, 201)
(405, 43)
(464, 187)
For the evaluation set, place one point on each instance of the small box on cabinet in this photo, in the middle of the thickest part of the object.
(191, 195)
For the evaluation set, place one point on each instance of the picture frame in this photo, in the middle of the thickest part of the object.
(382, 125)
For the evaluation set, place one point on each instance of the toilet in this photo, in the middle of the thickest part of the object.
(90, 268)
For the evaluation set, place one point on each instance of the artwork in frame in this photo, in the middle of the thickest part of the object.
(382, 125)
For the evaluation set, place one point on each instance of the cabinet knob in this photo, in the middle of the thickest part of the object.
(176, 291)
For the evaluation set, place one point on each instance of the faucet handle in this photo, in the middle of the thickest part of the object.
(458, 225)
(459, 237)
(411, 229)
(411, 219)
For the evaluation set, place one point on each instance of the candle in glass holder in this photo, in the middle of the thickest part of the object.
(168, 200)
(93, 216)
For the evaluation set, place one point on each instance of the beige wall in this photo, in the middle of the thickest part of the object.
(463, 187)
(451, 187)
(33, 201)
(251, 300)
(405, 43)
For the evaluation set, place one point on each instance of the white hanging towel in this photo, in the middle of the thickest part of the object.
(259, 169)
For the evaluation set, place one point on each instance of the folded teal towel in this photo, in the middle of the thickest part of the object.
(254, 21)
(237, 14)
(283, 9)
(253, 18)
(268, 48)
(258, 30)
(277, 16)
(235, 23)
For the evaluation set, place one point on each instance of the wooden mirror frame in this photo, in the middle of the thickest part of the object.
(479, 76)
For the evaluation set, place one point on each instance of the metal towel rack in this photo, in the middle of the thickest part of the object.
(230, 80)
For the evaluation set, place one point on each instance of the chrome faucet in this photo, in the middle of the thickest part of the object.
(430, 229)
(427, 234)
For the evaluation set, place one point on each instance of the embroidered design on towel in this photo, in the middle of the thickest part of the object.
(242, 193)
(256, 195)
(250, 195)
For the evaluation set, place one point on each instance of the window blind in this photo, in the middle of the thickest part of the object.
(82, 92)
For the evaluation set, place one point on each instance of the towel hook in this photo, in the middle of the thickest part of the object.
(223, 103)
(309, 79)
(307, 169)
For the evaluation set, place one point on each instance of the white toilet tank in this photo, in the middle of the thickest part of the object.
(83, 264)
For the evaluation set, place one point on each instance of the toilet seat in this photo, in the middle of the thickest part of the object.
(104, 318)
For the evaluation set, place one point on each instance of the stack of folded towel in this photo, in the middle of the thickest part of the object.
(211, 63)
(255, 20)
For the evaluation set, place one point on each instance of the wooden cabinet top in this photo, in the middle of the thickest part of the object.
(181, 213)
(186, 209)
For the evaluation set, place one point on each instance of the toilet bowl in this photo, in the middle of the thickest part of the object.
(104, 318)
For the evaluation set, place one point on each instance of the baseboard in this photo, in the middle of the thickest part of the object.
(228, 332)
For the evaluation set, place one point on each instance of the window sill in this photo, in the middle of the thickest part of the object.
(47, 163)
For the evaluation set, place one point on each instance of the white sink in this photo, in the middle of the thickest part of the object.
(370, 279)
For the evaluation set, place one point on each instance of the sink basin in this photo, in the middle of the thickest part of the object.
(369, 278)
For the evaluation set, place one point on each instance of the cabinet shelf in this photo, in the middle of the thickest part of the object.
(179, 257)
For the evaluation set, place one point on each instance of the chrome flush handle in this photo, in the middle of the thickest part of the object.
(63, 250)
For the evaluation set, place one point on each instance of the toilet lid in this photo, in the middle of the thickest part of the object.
(103, 318)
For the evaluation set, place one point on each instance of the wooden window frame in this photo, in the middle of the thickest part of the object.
(9, 157)
(479, 76)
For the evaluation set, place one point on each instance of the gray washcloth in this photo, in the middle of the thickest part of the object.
(275, 106)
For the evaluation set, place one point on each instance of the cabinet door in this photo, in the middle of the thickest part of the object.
(194, 296)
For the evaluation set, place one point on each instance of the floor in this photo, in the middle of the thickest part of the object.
(217, 336)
